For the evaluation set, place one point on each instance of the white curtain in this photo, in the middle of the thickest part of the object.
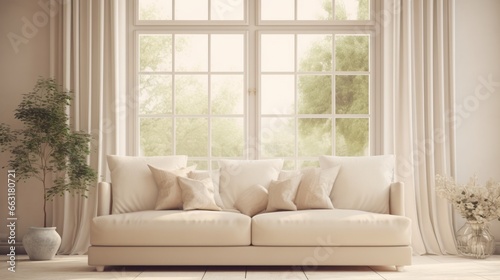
(418, 109)
(88, 58)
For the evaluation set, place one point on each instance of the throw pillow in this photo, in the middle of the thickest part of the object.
(169, 192)
(315, 188)
(215, 175)
(363, 183)
(197, 194)
(132, 186)
(252, 201)
(237, 175)
(282, 194)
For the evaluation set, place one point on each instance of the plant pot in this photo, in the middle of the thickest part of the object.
(474, 240)
(41, 243)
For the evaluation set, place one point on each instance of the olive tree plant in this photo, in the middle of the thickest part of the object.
(46, 148)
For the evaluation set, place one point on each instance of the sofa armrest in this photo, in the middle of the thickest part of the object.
(103, 199)
(396, 199)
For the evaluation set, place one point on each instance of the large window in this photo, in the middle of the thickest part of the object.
(295, 82)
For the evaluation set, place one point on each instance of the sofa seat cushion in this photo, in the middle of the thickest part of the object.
(330, 227)
(172, 228)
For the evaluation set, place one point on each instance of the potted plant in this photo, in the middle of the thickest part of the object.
(46, 149)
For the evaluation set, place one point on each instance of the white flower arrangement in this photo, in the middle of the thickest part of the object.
(474, 202)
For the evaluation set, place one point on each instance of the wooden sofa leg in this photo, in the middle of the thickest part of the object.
(400, 268)
(99, 268)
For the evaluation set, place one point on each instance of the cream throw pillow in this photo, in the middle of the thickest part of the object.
(315, 188)
(252, 201)
(237, 175)
(197, 194)
(363, 183)
(215, 175)
(282, 194)
(133, 188)
(169, 192)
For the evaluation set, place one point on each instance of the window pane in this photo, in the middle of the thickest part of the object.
(227, 94)
(314, 10)
(228, 137)
(278, 94)
(351, 94)
(277, 9)
(155, 94)
(277, 137)
(155, 52)
(228, 9)
(191, 9)
(352, 52)
(277, 53)
(308, 163)
(314, 52)
(227, 53)
(352, 137)
(155, 9)
(191, 94)
(200, 164)
(191, 136)
(191, 52)
(352, 9)
(156, 136)
(315, 137)
(289, 165)
(315, 94)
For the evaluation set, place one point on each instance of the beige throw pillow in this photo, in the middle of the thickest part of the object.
(282, 194)
(315, 188)
(169, 192)
(215, 175)
(197, 194)
(252, 201)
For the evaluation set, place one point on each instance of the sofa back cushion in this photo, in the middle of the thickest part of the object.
(363, 183)
(237, 175)
(132, 184)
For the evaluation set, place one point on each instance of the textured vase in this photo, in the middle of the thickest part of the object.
(474, 240)
(41, 243)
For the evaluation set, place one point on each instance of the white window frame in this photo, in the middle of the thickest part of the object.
(332, 22)
(209, 116)
(371, 115)
(209, 22)
(254, 26)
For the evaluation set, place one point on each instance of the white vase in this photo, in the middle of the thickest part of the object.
(41, 243)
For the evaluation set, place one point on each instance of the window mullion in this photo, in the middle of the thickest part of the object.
(209, 119)
(174, 73)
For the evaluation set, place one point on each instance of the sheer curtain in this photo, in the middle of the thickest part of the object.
(419, 105)
(87, 57)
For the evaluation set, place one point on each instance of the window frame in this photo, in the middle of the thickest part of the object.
(173, 21)
(330, 23)
(373, 93)
(253, 27)
(209, 116)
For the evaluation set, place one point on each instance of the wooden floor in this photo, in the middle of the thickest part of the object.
(424, 267)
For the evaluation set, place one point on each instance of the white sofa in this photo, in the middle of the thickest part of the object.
(366, 226)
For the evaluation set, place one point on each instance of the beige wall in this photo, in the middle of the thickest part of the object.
(478, 92)
(21, 63)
